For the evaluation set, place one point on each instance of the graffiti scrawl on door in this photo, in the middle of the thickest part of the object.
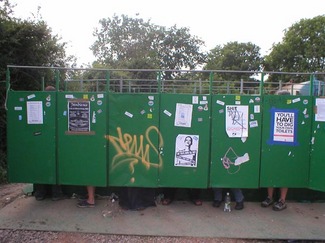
(134, 150)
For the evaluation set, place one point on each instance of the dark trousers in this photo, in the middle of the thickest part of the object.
(169, 193)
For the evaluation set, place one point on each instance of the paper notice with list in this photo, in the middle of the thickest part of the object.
(34, 112)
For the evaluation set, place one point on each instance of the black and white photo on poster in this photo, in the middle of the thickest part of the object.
(186, 150)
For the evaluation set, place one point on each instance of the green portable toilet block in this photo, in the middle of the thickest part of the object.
(126, 136)
(235, 141)
(286, 141)
(31, 136)
(317, 165)
(82, 147)
(185, 129)
(133, 140)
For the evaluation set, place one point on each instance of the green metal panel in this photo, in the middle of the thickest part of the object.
(31, 137)
(286, 141)
(133, 140)
(317, 163)
(236, 138)
(81, 138)
(185, 128)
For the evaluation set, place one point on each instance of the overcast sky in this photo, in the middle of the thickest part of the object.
(216, 22)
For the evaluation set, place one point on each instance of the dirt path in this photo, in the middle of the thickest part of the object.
(9, 192)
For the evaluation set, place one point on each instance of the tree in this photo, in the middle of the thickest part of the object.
(302, 49)
(6, 9)
(121, 41)
(177, 49)
(235, 56)
(29, 43)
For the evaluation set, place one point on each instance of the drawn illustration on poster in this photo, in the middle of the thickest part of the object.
(237, 121)
(78, 116)
(231, 161)
(183, 115)
(186, 150)
(283, 126)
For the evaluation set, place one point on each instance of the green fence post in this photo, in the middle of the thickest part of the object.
(262, 84)
(159, 82)
(311, 87)
(7, 79)
(210, 84)
(57, 79)
(107, 81)
(43, 84)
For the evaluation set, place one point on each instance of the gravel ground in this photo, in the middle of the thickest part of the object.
(9, 192)
(10, 236)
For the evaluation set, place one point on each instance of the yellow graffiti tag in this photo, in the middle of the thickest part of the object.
(132, 149)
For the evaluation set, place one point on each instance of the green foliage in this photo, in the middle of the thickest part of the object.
(235, 56)
(301, 50)
(25, 43)
(6, 9)
(122, 39)
(30, 44)
(124, 42)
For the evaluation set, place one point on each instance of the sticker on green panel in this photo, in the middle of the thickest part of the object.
(128, 114)
(186, 150)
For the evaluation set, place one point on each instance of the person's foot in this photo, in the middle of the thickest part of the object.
(58, 197)
(166, 201)
(279, 205)
(267, 202)
(197, 202)
(85, 204)
(216, 203)
(39, 196)
(140, 208)
(239, 205)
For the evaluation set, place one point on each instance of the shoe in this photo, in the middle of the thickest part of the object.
(239, 205)
(166, 201)
(197, 202)
(59, 197)
(40, 191)
(216, 203)
(39, 197)
(267, 202)
(279, 205)
(85, 204)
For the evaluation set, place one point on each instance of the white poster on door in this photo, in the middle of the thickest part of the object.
(237, 121)
(186, 150)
